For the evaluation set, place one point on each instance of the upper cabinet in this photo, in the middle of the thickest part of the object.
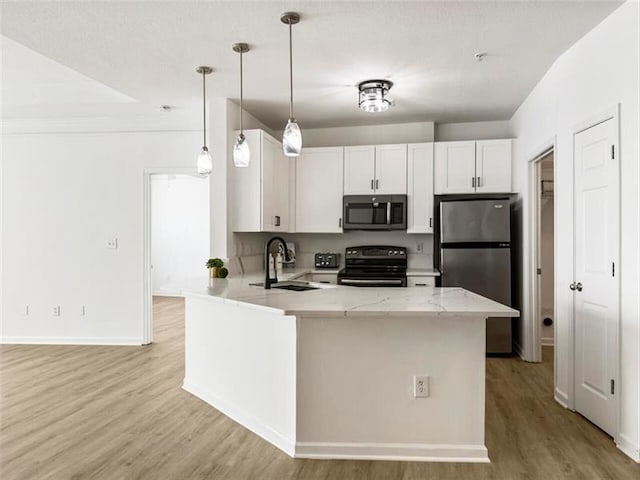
(261, 190)
(318, 190)
(472, 167)
(493, 166)
(380, 169)
(420, 188)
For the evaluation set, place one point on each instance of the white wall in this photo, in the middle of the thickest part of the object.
(63, 196)
(600, 71)
(179, 230)
(447, 132)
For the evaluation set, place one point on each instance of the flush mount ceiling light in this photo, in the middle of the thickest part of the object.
(204, 163)
(373, 95)
(241, 153)
(292, 136)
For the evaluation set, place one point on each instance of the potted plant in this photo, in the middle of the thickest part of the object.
(214, 265)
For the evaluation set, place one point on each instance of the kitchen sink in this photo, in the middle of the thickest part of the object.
(295, 288)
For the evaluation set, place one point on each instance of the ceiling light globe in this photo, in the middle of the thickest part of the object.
(241, 152)
(204, 162)
(292, 139)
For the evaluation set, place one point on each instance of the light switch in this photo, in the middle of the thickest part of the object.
(112, 243)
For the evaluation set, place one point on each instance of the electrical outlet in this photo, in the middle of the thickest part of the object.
(82, 311)
(420, 247)
(420, 386)
(112, 243)
(24, 310)
(56, 311)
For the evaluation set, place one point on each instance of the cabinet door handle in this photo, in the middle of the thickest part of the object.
(277, 222)
(478, 182)
(377, 184)
(340, 222)
(473, 182)
(430, 222)
(371, 184)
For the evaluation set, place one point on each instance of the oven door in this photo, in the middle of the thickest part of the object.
(375, 212)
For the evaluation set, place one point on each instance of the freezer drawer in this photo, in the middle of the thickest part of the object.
(464, 221)
(487, 272)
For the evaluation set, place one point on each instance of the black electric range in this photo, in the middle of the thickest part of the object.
(374, 266)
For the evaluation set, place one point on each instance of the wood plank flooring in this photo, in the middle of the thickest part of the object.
(76, 412)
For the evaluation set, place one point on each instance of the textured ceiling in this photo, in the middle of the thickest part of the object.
(148, 51)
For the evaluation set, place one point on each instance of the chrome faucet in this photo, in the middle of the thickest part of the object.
(268, 281)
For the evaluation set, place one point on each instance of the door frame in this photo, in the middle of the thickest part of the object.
(611, 113)
(147, 292)
(533, 348)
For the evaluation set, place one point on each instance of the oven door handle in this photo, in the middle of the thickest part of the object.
(370, 282)
(388, 213)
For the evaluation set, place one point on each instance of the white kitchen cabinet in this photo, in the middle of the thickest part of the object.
(359, 169)
(455, 167)
(318, 190)
(422, 281)
(420, 188)
(482, 166)
(493, 166)
(378, 169)
(260, 191)
(391, 169)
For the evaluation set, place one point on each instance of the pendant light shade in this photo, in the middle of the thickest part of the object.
(292, 136)
(241, 153)
(373, 95)
(204, 162)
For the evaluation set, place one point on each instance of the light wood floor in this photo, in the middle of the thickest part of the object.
(70, 412)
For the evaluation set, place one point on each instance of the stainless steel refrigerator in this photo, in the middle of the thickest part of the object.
(474, 252)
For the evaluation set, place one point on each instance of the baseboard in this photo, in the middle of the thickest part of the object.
(562, 398)
(168, 293)
(628, 448)
(129, 341)
(547, 342)
(414, 452)
(517, 348)
(242, 417)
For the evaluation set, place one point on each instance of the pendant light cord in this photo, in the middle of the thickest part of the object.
(204, 111)
(290, 73)
(241, 94)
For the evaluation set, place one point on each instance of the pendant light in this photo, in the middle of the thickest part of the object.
(292, 136)
(204, 163)
(241, 153)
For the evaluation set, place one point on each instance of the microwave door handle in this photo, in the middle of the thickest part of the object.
(388, 213)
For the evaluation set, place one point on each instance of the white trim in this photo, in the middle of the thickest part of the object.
(242, 417)
(547, 341)
(415, 452)
(630, 449)
(9, 340)
(531, 326)
(147, 294)
(168, 293)
(562, 398)
(611, 113)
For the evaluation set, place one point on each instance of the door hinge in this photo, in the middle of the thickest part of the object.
(613, 152)
(613, 386)
(613, 269)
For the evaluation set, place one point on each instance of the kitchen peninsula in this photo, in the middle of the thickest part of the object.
(330, 372)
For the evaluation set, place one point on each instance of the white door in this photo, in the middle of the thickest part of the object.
(455, 167)
(359, 170)
(596, 278)
(420, 188)
(493, 166)
(391, 169)
(319, 190)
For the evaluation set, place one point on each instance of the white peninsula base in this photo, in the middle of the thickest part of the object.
(320, 382)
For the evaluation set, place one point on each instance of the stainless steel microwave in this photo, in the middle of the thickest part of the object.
(375, 212)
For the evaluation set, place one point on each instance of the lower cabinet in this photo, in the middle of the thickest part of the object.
(421, 281)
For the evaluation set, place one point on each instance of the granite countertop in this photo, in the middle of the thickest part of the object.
(345, 301)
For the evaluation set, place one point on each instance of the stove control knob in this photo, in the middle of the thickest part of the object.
(395, 252)
(401, 252)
